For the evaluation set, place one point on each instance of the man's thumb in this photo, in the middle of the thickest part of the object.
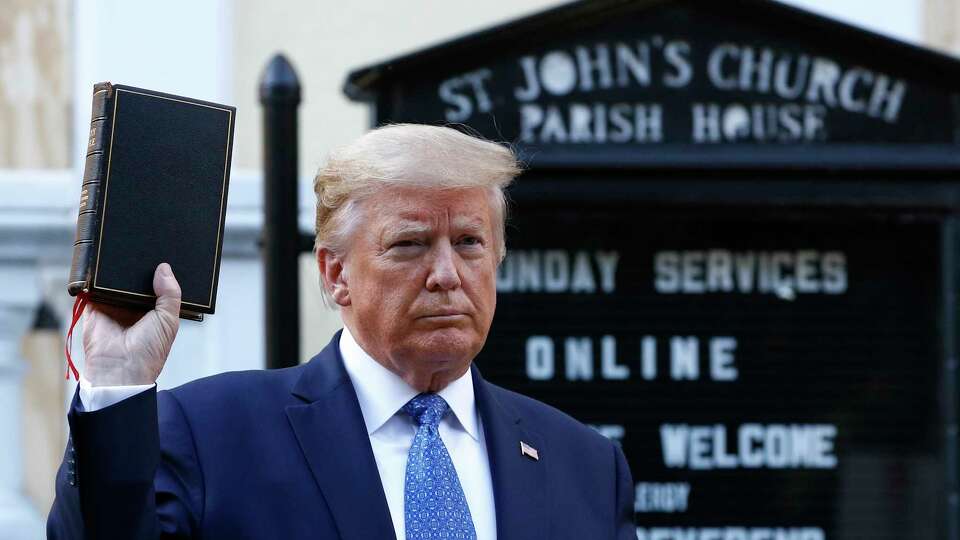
(167, 289)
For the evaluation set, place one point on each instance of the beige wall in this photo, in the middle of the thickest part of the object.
(941, 25)
(44, 428)
(325, 40)
(35, 88)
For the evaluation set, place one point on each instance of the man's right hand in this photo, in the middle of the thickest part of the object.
(126, 347)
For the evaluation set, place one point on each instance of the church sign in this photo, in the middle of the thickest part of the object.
(734, 253)
(692, 92)
(763, 377)
(663, 78)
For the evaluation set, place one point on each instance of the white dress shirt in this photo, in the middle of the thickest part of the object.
(93, 398)
(381, 394)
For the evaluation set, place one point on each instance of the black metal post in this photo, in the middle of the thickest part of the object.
(280, 97)
(950, 235)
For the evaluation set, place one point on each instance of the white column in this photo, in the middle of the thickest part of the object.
(182, 47)
(177, 46)
(18, 519)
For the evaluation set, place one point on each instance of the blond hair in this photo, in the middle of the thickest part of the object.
(432, 157)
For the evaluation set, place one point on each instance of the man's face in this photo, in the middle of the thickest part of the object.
(420, 277)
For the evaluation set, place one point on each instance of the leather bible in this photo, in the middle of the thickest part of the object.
(154, 190)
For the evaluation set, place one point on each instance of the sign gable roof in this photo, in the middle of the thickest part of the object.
(670, 82)
(362, 84)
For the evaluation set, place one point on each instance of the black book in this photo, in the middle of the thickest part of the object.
(154, 190)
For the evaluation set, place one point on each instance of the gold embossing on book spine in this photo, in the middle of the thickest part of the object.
(90, 195)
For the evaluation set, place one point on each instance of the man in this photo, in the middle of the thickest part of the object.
(389, 432)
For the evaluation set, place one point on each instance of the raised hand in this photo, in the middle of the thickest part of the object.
(124, 346)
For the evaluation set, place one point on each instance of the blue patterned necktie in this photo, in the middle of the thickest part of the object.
(434, 506)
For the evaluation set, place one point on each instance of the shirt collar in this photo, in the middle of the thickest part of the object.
(381, 392)
(459, 396)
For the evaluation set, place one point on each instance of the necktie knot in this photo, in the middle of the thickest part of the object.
(426, 409)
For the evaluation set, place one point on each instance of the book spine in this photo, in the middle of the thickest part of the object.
(90, 195)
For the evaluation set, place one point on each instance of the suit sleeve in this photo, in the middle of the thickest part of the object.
(625, 527)
(117, 480)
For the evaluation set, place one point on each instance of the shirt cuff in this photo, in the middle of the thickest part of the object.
(94, 398)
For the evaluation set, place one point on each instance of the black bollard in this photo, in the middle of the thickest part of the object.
(280, 97)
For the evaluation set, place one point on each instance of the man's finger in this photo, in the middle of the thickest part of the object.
(122, 315)
(167, 289)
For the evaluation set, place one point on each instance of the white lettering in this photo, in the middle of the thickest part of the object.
(684, 362)
(540, 365)
(771, 446)
(648, 358)
(820, 82)
(598, 63)
(666, 266)
(578, 353)
(449, 94)
(848, 83)
(886, 98)
(632, 64)
(722, 459)
(580, 123)
(783, 273)
(607, 263)
(706, 123)
(582, 280)
(674, 440)
(781, 78)
(746, 273)
(531, 117)
(558, 271)
(620, 119)
(648, 123)
(823, 81)
(677, 54)
(715, 66)
(558, 73)
(614, 432)
(756, 73)
(834, 268)
(528, 64)
(464, 106)
(528, 271)
(730, 533)
(609, 367)
(722, 366)
(693, 272)
(719, 270)
(661, 497)
(554, 129)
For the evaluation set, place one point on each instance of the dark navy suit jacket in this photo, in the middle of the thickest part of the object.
(284, 454)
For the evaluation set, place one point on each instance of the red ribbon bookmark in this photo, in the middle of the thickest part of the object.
(78, 306)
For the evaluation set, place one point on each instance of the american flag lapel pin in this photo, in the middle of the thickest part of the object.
(529, 451)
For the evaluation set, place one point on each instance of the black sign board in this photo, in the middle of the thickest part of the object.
(654, 83)
(734, 252)
(763, 375)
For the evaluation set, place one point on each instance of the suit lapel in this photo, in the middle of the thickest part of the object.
(331, 433)
(519, 482)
